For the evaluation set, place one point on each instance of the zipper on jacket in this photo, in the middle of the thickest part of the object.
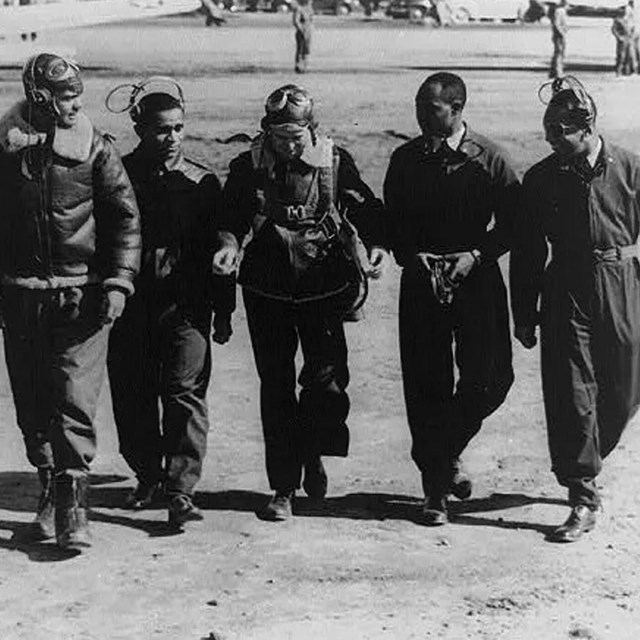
(44, 237)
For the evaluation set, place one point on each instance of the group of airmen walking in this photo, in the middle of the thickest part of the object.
(130, 267)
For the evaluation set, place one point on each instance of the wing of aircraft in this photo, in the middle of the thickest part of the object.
(16, 20)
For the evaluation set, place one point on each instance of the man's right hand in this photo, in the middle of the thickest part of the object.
(526, 335)
(225, 260)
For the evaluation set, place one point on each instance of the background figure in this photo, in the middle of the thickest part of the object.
(302, 22)
(298, 282)
(69, 250)
(558, 18)
(583, 200)
(635, 12)
(160, 350)
(213, 13)
(623, 29)
(443, 192)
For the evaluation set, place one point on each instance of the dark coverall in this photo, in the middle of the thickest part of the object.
(590, 308)
(285, 308)
(441, 203)
(159, 350)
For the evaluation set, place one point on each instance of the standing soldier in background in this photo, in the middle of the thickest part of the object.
(69, 250)
(623, 29)
(583, 200)
(291, 190)
(160, 350)
(303, 23)
(558, 18)
(450, 194)
(213, 13)
(635, 13)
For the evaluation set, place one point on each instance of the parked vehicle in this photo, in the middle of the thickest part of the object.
(507, 10)
(334, 7)
(460, 11)
(415, 10)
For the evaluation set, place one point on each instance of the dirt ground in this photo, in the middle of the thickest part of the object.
(357, 566)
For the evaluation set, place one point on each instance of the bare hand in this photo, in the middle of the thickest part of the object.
(221, 329)
(113, 304)
(459, 266)
(225, 260)
(526, 335)
(377, 263)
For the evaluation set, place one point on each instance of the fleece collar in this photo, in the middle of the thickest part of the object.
(16, 134)
(315, 155)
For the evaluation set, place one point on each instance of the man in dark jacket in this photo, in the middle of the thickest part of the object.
(297, 284)
(69, 250)
(160, 350)
(584, 200)
(449, 197)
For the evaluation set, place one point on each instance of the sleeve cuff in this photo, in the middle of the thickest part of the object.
(119, 283)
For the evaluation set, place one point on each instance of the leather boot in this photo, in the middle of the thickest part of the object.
(461, 485)
(279, 508)
(43, 526)
(435, 511)
(315, 479)
(581, 520)
(71, 500)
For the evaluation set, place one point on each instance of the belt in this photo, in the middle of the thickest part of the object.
(50, 282)
(616, 254)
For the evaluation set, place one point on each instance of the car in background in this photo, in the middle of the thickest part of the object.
(595, 8)
(504, 10)
(461, 11)
(415, 10)
(333, 7)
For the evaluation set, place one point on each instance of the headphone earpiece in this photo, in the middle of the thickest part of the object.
(37, 95)
(41, 97)
(134, 112)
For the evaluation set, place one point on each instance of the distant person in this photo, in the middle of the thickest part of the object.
(69, 251)
(303, 24)
(301, 272)
(623, 29)
(635, 8)
(442, 13)
(160, 352)
(583, 201)
(450, 195)
(559, 28)
(213, 13)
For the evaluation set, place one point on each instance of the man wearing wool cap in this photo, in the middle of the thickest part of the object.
(303, 271)
(69, 250)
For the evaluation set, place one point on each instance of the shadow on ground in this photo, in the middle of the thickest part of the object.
(19, 491)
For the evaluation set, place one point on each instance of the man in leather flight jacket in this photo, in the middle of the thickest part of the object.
(69, 250)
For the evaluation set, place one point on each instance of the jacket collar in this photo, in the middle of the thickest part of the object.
(469, 147)
(316, 155)
(17, 134)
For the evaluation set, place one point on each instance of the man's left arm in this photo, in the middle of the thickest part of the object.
(223, 287)
(364, 210)
(505, 194)
(118, 235)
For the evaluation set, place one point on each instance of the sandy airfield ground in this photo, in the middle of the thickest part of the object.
(356, 567)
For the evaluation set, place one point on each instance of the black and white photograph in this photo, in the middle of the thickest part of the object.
(320, 320)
